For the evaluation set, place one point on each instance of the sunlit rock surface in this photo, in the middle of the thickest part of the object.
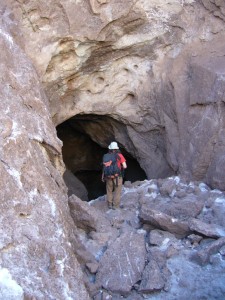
(156, 67)
(36, 255)
(137, 256)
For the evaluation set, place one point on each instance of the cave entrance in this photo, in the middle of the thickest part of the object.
(85, 139)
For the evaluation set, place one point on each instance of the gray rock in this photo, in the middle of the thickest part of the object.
(152, 279)
(159, 237)
(92, 267)
(164, 221)
(122, 264)
(86, 217)
(194, 238)
(75, 186)
(210, 230)
(203, 256)
(168, 187)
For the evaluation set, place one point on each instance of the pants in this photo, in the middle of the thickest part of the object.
(113, 191)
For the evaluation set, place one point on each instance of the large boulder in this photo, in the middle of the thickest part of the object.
(122, 264)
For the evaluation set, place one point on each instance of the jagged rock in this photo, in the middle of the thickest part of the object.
(159, 255)
(203, 256)
(173, 255)
(210, 230)
(222, 250)
(214, 209)
(75, 186)
(86, 218)
(36, 251)
(158, 237)
(164, 221)
(152, 279)
(130, 200)
(168, 187)
(190, 280)
(83, 254)
(133, 296)
(188, 206)
(123, 262)
(92, 267)
(217, 7)
(194, 238)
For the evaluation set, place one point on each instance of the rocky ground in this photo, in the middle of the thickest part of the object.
(167, 241)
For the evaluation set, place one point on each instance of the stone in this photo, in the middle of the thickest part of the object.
(209, 230)
(92, 267)
(194, 238)
(203, 256)
(159, 237)
(75, 186)
(188, 206)
(123, 262)
(168, 187)
(222, 250)
(86, 218)
(164, 221)
(174, 257)
(152, 279)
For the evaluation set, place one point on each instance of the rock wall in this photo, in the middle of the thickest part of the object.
(154, 66)
(36, 233)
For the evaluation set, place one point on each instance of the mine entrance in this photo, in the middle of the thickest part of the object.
(85, 139)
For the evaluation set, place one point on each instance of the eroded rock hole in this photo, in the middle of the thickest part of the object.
(85, 140)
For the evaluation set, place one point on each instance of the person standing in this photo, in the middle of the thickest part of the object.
(114, 165)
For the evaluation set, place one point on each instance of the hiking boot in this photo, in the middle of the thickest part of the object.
(110, 206)
(116, 207)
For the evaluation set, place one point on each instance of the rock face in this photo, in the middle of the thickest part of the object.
(36, 231)
(156, 70)
(155, 67)
(129, 253)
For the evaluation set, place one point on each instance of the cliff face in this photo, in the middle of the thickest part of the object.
(36, 240)
(156, 68)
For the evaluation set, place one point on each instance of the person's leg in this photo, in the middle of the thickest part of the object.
(109, 192)
(117, 192)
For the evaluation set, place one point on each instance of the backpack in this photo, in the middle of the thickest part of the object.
(110, 166)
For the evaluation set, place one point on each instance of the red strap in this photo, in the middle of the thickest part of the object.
(108, 163)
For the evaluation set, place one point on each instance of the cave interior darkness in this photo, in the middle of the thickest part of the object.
(84, 140)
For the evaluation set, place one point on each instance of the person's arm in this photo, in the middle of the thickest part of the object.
(103, 178)
(124, 164)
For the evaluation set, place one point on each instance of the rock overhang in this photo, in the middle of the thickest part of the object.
(132, 62)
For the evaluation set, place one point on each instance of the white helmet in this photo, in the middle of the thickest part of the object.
(113, 146)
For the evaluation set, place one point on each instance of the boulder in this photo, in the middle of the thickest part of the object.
(164, 221)
(203, 256)
(86, 217)
(152, 279)
(123, 263)
(209, 230)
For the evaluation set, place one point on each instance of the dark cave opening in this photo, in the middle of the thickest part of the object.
(85, 139)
